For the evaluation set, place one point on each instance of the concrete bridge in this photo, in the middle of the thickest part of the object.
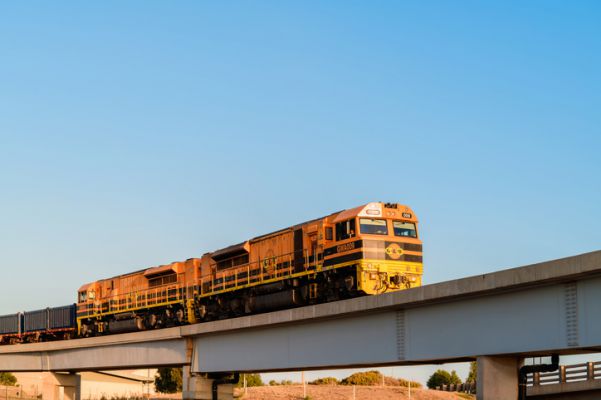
(497, 318)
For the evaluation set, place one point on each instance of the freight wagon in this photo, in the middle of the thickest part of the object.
(41, 325)
(10, 328)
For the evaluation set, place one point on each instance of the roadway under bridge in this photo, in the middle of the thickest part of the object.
(497, 318)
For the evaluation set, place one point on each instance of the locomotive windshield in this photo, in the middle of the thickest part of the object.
(406, 229)
(372, 226)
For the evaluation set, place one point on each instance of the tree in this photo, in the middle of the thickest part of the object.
(442, 377)
(473, 375)
(455, 379)
(254, 380)
(251, 380)
(168, 380)
(7, 379)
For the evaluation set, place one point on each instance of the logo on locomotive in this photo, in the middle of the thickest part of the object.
(394, 251)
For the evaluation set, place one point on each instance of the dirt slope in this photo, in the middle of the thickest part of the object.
(295, 392)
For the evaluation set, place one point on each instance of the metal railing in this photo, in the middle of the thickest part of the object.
(265, 269)
(469, 388)
(567, 374)
(137, 299)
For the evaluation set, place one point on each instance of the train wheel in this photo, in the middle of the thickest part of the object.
(140, 324)
(86, 330)
(179, 316)
(151, 321)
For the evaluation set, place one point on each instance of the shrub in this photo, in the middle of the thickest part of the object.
(391, 381)
(375, 378)
(325, 381)
(405, 383)
(369, 378)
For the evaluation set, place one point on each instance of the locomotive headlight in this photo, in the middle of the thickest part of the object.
(413, 279)
(373, 275)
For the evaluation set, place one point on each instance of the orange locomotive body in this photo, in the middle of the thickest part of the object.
(150, 298)
(366, 250)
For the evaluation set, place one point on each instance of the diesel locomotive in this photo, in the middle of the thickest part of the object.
(371, 249)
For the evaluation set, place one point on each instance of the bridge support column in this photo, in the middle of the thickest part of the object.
(199, 387)
(497, 378)
(57, 386)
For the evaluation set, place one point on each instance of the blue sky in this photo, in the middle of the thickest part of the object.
(135, 134)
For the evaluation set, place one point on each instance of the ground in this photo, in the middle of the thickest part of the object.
(295, 392)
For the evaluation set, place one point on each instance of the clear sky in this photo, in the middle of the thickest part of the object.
(137, 133)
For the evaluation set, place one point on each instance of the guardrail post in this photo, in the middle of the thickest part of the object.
(562, 374)
(590, 371)
(536, 379)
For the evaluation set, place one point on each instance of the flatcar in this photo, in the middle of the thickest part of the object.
(370, 249)
(367, 250)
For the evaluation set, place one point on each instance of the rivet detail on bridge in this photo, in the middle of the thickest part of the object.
(571, 307)
(400, 334)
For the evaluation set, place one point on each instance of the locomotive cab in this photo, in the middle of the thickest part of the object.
(379, 244)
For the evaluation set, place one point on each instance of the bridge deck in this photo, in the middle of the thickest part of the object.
(528, 310)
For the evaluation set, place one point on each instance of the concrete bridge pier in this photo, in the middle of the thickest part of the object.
(61, 386)
(497, 378)
(200, 387)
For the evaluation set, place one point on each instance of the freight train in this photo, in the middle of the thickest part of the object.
(37, 326)
(367, 250)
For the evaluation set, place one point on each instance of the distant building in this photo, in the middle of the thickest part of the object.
(99, 385)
